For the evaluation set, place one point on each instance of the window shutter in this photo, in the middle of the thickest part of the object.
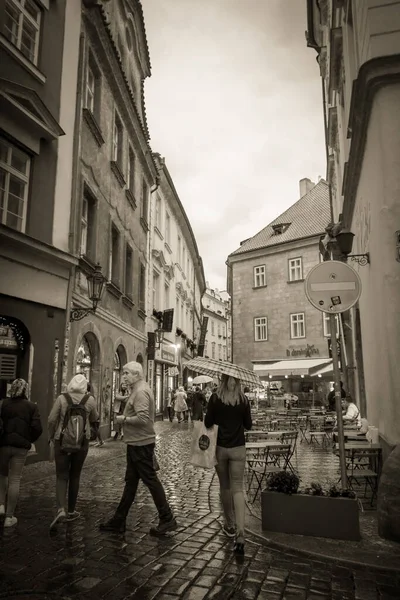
(8, 366)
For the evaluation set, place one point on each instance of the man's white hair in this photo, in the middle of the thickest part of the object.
(135, 368)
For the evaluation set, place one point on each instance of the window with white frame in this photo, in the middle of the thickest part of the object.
(156, 290)
(21, 26)
(327, 324)
(158, 223)
(295, 269)
(167, 228)
(297, 326)
(118, 137)
(130, 176)
(259, 276)
(260, 329)
(14, 184)
(166, 294)
(179, 249)
(145, 200)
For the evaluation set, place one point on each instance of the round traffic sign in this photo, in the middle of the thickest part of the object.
(332, 286)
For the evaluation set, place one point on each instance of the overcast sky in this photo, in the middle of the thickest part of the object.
(234, 105)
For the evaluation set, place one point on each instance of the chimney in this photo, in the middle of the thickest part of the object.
(306, 185)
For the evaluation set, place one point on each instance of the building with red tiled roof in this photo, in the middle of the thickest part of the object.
(272, 320)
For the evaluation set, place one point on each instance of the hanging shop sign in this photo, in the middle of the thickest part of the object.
(7, 338)
(170, 356)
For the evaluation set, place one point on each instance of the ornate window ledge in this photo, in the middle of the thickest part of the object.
(116, 169)
(93, 126)
(114, 289)
(131, 198)
(127, 300)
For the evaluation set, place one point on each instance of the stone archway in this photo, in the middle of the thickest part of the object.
(87, 360)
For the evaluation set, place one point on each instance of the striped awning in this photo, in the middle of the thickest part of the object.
(301, 366)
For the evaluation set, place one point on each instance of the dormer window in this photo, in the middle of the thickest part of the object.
(280, 228)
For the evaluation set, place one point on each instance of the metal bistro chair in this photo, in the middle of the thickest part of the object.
(363, 465)
(276, 459)
(303, 424)
(317, 432)
(290, 438)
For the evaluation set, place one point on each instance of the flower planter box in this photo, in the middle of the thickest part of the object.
(302, 514)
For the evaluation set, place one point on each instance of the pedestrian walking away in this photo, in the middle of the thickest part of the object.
(199, 404)
(95, 433)
(20, 427)
(69, 428)
(139, 436)
(119, 407)
(170, 405)
(230, 410)
(180, 404)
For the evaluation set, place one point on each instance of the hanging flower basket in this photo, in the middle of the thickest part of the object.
(179, 331)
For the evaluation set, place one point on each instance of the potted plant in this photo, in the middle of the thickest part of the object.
(179, 331)
(313, 511)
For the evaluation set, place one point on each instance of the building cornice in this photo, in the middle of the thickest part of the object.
(373, 76)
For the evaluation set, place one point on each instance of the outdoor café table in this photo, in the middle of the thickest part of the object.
(360, 446)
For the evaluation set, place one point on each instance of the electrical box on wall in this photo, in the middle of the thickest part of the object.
(398, 245)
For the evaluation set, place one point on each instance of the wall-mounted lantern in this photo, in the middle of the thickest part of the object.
(95, 281)
(345, 244)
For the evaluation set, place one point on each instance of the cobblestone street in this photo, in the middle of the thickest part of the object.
(78, 561)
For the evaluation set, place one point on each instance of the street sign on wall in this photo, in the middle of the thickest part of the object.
(332, 286)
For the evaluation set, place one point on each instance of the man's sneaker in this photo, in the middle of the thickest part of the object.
(72, 516)
(2, 510)
(59, 518)
(164, 527)
(113, 525)
(229, 531)
(10, 521)
(98, 444)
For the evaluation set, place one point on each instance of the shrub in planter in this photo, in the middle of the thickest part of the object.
(285, 509)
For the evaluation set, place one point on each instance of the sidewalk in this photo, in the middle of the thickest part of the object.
(79, 562)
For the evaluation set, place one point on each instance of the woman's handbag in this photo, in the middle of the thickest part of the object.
(204, 446)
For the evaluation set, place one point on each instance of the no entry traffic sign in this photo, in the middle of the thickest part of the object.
(332, 286)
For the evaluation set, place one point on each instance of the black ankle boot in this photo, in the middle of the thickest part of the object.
(113, 525)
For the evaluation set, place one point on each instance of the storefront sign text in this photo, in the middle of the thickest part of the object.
(309, 351)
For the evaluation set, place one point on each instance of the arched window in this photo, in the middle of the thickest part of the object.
(84, 359)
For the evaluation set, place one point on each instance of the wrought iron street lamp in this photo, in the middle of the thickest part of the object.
(95, 281)
(345, 244)
(159, 335)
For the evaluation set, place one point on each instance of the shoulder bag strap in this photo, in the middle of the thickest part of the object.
(84, 399)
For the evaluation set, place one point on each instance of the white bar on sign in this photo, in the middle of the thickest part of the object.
(333, 287)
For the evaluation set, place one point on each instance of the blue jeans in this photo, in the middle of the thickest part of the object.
(230, 470)
(12, 462)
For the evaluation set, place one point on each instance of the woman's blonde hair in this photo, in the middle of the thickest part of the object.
(233, 398)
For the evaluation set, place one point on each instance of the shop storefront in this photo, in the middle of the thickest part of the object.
(163, 376)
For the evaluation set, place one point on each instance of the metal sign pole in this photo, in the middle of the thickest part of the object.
(338, 398)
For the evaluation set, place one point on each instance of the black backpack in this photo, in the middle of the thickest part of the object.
(73, 432)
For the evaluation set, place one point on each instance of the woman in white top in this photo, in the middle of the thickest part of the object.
(352, 415)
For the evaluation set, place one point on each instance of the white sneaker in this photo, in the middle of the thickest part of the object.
(60, 516)
(10, 521)
(2, 509)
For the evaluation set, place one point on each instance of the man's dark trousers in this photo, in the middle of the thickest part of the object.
(140, 466)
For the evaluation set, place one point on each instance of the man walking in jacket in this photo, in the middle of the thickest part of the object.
(139, 436)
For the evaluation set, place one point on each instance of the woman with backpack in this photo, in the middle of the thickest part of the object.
(69, 429)
(20, 427)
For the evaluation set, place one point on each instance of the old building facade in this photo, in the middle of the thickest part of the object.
(358, 46)
(177, 282)
(114, 175)
(275, 330)
(217, 341)
(39, 43)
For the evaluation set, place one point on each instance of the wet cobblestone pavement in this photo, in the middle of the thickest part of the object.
(196, 562)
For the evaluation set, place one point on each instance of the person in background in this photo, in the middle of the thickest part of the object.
(180, 403)
(170, 405)
(230, 410)
(96, 426)
(20, 426)
(69, 465)
(190, 392)
(139, 436)
(199, 404)
(352, 415)
(331, 398)
(119, 407)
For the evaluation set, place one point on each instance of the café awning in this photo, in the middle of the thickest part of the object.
(291, 368)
